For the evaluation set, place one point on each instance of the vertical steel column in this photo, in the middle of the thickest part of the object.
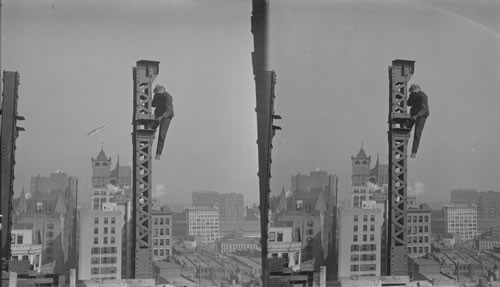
(264, 87)
(399, 74)
(8, 135)
(144, 74)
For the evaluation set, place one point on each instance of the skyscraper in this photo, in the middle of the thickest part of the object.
(419, 231)
(203, 223)
(461, 220)
(359, 241)
(231, 207)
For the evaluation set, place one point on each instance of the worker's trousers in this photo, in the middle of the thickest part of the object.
(419, 127)
(164, 123)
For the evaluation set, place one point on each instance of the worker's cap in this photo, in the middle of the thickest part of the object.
(414, 87)
(159, 89)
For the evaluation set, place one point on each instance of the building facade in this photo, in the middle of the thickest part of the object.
(26, 245)
(231, 207)
(162, 235)
(360, 241)
(100, 251)
(419, 231)
(488, 204)
(203, 223)
(282, 243)
(461, 220)
(464, 196)
(362, 173)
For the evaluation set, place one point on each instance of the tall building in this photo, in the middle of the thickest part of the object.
(100, 243)
(162, 235)
(488, 204)
(464, 196)
(360, 241)
(461, 220)
(102, 175)
(26, 245)
(362, 173)
(419, 231)
(203, 223)
(316, 179)
(205, 199)
(231, 207)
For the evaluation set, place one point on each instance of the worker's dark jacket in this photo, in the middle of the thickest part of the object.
(163, 104)
(419, 104)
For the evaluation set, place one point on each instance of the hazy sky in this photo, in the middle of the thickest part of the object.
(75, 59)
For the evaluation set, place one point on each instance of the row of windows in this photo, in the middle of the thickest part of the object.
(364, 267)
(103, 260)
(363, 247)
(161, 252)
(365, 227)
(105, 230)
(365, 218)
(105, 240)
(418, 218)
(161, 242)
(365, 237)
(19, 238)
(161, 231)
(417, 229)
(104, 270)
(106, 220)
(418, 250)
(418, 239)
(161, 221)
(103, 250)
(363, 257)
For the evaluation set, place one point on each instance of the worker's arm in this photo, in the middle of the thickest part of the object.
(411, 99)
(154, 103)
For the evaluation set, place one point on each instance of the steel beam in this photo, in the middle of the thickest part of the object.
(8, 135)
(399, 74)
(144, 74)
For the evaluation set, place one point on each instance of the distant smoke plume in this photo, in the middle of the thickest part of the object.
(112, 189)
(159, 191)
(288, 193)
(28, 195)
(416, 189)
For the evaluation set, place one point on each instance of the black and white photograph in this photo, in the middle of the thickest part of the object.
(250, 143)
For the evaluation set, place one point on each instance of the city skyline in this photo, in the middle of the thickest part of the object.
(78, 68)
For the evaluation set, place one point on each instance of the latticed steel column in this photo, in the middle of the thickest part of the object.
(399, 74)
(8, 135)
(144, 74)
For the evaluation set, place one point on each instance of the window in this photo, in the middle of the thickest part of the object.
(310, 224)
(354, 258)
(354, 267)
(426, 228)
(96, 230)
(420, 229)
(105, 240)
(272, 236)
(96, 203)
(167, 231)
(105, 230)
(96, 220)
(167, 221)
(355, 238)
(162, 231)
(279, 237)
(372, 237)
(426, 218)
(155, 221)
(161, 242)
(13, 239)
(112, 230)
(167, 241)
(155, 242)
(372, 218)
(96, 240)
(94, 270)
(365, 218)
(161, 221)
(95, 250)
(112, 240)
(155, 232)
(426, 239)
(365, 237)
(162, 252)
(355, 228)
(354, 247)
(113, 220)
(105, 220)
(95, 260)
(365, 227)
(19, 239)
(355, 218)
